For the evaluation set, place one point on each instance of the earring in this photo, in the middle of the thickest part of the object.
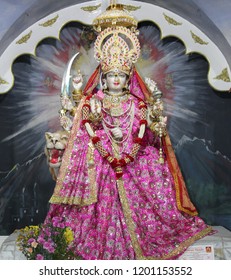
(126, 86)
(104, 85)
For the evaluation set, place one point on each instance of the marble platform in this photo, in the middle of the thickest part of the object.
(219, 246)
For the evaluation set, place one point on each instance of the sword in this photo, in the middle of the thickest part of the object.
(65, 89)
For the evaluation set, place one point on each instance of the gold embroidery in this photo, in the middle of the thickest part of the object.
(178, 200)
(56, 198)
(182, 246)
(123, 198)
(92, 174)
(129, 221)
(131, 228)
(186, 207)
(92, 183)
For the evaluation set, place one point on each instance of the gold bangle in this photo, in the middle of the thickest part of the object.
(73, 111)
(77, 91)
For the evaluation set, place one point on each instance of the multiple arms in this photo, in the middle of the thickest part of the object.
(156, 119)
(70, 103)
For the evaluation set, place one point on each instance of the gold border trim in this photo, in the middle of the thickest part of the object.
(181, 248)
(131, 228)
(56, 198)
(129, 221)
(185, 204)
(178, 200)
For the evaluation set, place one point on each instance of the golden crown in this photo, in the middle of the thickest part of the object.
(115, 15)
(117, 46)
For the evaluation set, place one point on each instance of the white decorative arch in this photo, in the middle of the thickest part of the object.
(170, 24)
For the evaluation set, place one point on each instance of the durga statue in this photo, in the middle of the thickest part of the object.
(119, 186)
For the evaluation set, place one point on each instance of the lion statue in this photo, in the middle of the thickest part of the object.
(56, 143)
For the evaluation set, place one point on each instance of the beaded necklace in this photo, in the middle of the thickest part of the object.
(126, 130)
(116, 164)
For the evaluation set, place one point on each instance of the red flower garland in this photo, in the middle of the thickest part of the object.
(116, 164)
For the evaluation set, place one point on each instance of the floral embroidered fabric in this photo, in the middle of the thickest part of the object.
(135, 217)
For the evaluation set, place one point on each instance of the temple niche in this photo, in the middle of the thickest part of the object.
(189, 65)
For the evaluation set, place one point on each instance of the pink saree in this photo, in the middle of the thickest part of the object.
(146, 214)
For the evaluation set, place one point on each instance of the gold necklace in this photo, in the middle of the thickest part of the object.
(113, 103)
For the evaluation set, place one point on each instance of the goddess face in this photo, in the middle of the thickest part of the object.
(116, 81)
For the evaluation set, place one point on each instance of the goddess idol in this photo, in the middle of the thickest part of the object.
(119, 186)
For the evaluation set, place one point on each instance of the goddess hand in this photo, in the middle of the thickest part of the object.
(153, 88)
(151, 84)
(66, 103)
(117, 132)
(65, 122)
(77, 81)
(96, 106)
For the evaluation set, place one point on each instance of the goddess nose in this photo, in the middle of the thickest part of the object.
(117, 78)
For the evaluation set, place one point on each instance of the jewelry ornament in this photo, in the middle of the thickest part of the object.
(117, 48)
